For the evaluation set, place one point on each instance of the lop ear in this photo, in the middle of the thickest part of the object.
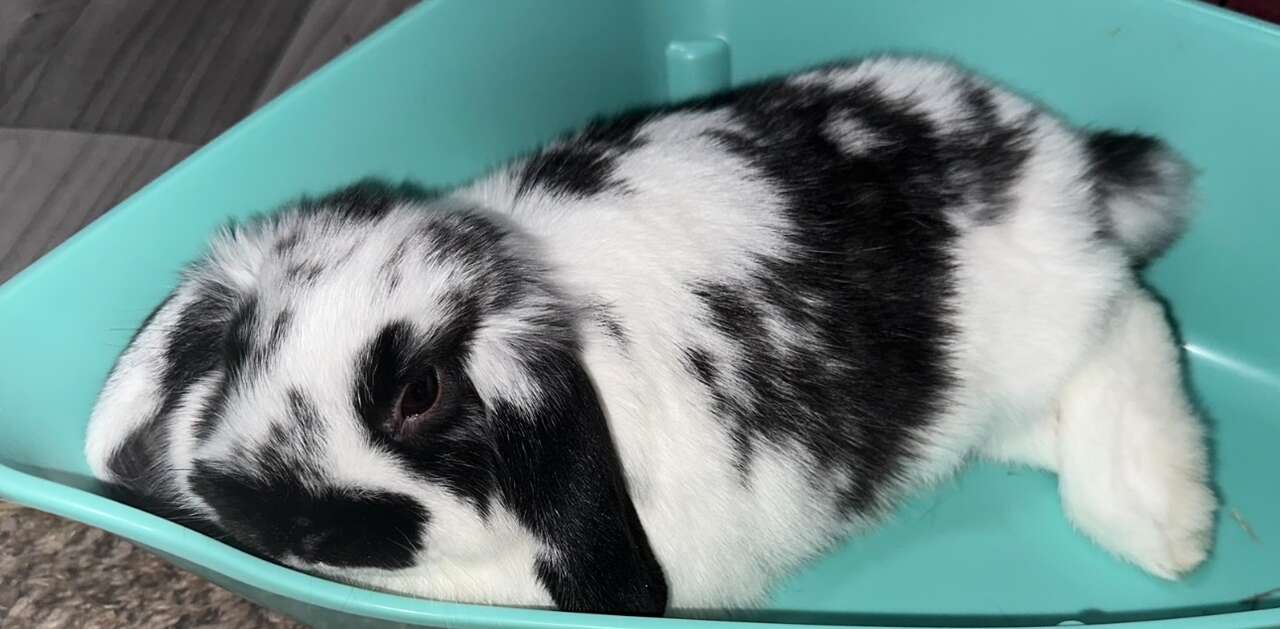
(562, 476)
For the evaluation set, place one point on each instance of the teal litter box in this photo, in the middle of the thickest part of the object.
(454, 86)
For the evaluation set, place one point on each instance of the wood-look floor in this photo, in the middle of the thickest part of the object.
(97, 97)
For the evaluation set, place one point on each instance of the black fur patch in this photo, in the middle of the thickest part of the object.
(212, 409)
(279, 515)
(379, 371)
(243, 352)
(304, 419)
(1123, 161)
(367, 199)
(470, 238)
(561, 476)
(199, 343)
(987, 156)
(584, 164)
(389, 271)
(239, 341)
(868, 287)
(279, 327)
(1120, 164)
(478, 243)
(612, 325)
(454, 334)
(304, 272)
(286, 244)
(195, 341)
(193, 349)
(702, 367)
(133, 462)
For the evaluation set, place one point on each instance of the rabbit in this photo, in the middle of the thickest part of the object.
(666, 360)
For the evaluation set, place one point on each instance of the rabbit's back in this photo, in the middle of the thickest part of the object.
(809, 295)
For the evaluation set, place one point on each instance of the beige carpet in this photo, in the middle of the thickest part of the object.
(54, 573)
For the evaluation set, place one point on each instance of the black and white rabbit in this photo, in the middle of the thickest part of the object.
(663, 362)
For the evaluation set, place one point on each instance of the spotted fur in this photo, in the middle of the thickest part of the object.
(680, 352)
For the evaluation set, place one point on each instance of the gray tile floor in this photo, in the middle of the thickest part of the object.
(97, 98)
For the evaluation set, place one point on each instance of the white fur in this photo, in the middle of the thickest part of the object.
(1131, 455)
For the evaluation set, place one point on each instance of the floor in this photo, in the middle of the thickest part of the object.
(97, 98)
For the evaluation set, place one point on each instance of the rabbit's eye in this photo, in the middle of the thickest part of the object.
(415, 400)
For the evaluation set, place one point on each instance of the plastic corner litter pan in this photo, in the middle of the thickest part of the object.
(455, 86)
